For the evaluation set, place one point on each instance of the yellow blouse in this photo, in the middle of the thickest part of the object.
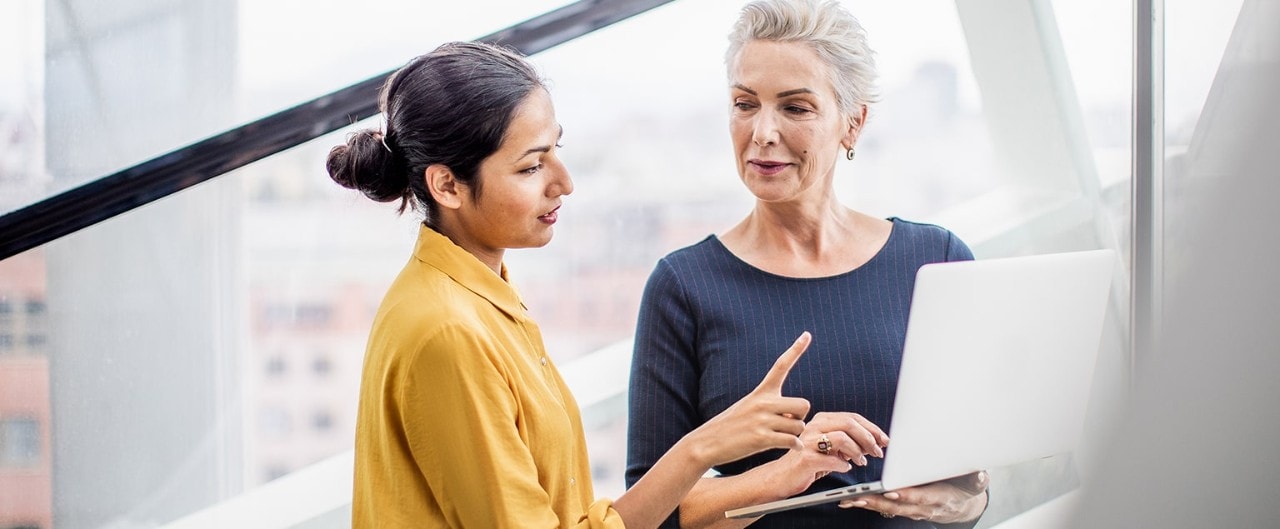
(464, 421)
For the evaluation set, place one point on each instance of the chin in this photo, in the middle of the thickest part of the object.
(538, 240)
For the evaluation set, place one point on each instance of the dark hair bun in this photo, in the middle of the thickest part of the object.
(367, 165)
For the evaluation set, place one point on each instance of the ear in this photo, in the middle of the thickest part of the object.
(445, 189)
(856, 122)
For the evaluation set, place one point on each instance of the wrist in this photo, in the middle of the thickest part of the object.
(689, 452)
(781, 479)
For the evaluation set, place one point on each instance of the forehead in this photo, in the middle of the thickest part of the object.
(533, 122)
(772, 66)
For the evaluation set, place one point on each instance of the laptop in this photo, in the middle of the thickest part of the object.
(996, 369)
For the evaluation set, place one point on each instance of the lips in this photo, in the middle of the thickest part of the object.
(767, 167)
(550, 216)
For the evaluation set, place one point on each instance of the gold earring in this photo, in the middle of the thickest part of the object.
(849, 155)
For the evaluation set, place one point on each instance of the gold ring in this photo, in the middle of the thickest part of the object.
(824, 445)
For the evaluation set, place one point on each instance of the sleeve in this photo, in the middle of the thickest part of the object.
(957, 250)
(600, 515)
(664, 376)
(459, 414)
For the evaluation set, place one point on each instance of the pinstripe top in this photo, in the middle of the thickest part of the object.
(711, 325)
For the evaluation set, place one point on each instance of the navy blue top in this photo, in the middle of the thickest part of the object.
(711, 326)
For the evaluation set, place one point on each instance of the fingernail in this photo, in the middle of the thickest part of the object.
(862, 461)
(891, 495)
(879, 452)
(848, 467)
(858, 503)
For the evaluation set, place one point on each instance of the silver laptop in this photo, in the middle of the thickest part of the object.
(996, 369)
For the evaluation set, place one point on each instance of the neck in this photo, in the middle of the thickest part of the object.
(799, 228)
(490, 257)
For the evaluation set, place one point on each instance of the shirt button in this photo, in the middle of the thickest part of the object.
(543, 360)
(573, 481)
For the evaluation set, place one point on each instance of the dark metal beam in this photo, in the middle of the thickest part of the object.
(114, 194)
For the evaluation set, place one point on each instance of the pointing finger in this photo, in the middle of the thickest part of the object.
(782, 366)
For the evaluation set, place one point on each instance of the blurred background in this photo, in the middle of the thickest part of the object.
(195, 362)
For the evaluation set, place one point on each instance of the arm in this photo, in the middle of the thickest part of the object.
(762, 420)
(957, 250)
(852, 437)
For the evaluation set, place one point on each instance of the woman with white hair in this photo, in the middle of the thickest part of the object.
(800, 78)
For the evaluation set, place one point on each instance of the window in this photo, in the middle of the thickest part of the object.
(321, 365)
(36, 307)
(36, 342)
(19, 443)
(313, 314)
(322, 421)
(276, 366)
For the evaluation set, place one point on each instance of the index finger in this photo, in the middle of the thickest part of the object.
(782, 366)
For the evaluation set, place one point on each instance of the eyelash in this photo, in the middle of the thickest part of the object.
(536, 168)
(793, 109)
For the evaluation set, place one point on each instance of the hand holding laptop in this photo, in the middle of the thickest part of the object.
(946, 501)
(1031, 328)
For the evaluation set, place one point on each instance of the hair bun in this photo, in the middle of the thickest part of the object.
(365, 164)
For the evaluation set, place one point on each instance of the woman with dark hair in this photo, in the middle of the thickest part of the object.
(463, 419)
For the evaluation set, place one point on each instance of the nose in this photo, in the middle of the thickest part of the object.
(764, 129)
(561, 183)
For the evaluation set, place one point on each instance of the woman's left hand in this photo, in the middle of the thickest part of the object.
(949, 501)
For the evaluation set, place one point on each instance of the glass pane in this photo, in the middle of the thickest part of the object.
(1198, 36)
(317, 261)
(208, 346)
(122, 82)
(23, 178)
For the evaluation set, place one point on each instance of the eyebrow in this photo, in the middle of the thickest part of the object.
(544, 148)
(786, 93)
(794, 92)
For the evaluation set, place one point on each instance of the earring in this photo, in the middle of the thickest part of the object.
(849, 155)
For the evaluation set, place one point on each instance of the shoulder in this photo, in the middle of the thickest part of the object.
(706, 249)
(426, 313)
(690, 260)
(937, 242)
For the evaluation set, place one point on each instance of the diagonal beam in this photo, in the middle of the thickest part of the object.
(159, 177)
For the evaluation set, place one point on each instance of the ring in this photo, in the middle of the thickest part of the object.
(886, 515)
(824, 445)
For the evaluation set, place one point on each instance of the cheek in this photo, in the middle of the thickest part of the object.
(740, 133)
